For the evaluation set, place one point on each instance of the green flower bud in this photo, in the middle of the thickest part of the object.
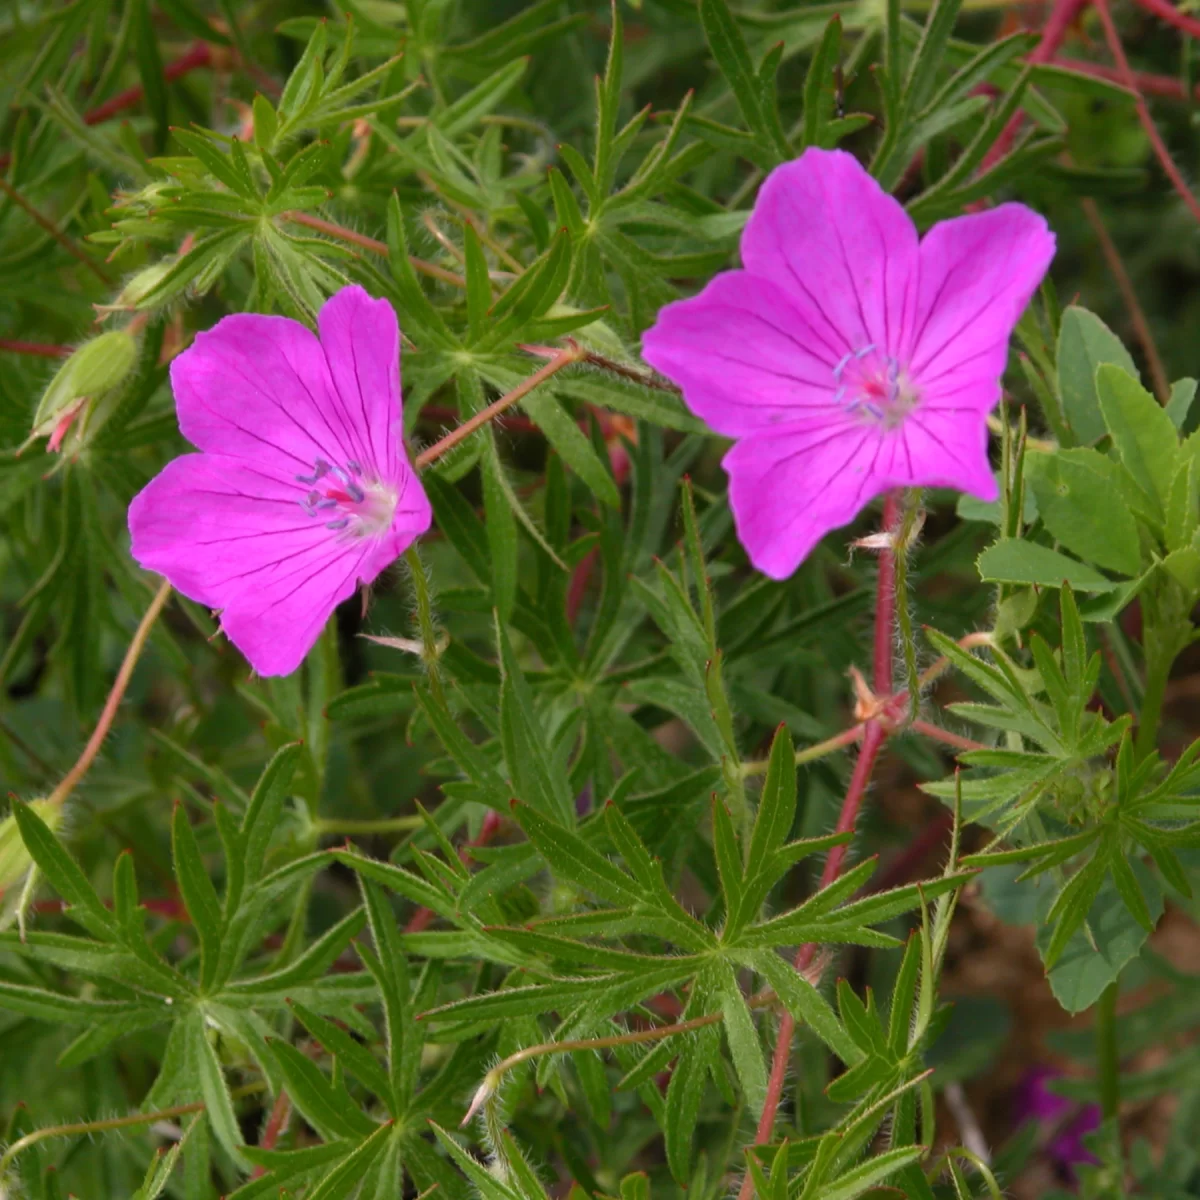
(14, 858)
(96, 367)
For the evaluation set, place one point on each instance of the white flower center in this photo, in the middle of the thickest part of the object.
(874, 387)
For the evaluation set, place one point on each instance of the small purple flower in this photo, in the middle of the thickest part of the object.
(1066, 1123)
(848, 357)
(302, 489)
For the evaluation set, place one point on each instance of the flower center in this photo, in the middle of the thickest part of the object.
(875, 387)
(347, 500)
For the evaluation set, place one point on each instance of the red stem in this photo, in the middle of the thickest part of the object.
(40, 349)
(1127, 78)
(874, 737)
(1061, 16)
(1166, 86)
(200, 55)
(276, 1123)
(1172, 16)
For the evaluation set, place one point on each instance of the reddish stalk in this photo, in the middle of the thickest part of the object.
(276, 1124)
(875, 735)
(936, 734)
(1127, 78)
(1141, 327)
(53, 230)
(200, 55)
(1166, 86)
(1172, 16)
(564, 358)
(330, 229)
(38, 349)
(1061, 17)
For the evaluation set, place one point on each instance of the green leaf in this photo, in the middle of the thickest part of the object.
(1084, 344)
(732, 56)
(218, 1104)
(1013, 561)
(1183, 392)
(342, 1182)
(568, 439)
(740, 1033)
(199, 895)
(534, 767)
(1142, 431)
(819, 83)
(501, 526)
(324, 1103)
(805, 1003)
(1080, 503)
(1082, 971)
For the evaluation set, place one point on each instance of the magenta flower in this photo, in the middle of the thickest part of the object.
(302, 489)
(848, 357)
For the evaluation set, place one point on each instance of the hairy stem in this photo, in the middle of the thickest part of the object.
(811, 753)
(37, 349)
(354, 238)
(40, 1135)
(564, 358)
(107, 716)
(873, 738)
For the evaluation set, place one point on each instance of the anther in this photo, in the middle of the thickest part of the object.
(340, 523)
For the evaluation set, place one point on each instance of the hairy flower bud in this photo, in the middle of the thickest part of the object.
(96, 367)
(15, 862)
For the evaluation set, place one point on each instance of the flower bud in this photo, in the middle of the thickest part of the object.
(14, 857)
(96, 367)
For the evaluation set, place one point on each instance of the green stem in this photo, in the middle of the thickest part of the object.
(1158, 671)
(328, 826)
(811, 753)
(1108, 1068)
(430, 653)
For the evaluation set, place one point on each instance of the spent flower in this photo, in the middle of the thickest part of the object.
(302, 488)
(849, 356)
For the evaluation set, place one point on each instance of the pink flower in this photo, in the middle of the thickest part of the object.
(302, 489)
(848, 357)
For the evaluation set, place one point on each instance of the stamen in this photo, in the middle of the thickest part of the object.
(873, 386)
(363, 508)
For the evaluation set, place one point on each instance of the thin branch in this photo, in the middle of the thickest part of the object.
(936, 733)
(80, 769)
(53, 230)
(1137, 317)
(1165, 86)
(40, 1135)
(200, 55)
(1172, 16)
(564, 358)
(37, 349)
(491, 1081)
(1127, 78)
(330, 229)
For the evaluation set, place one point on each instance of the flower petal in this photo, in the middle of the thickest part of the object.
(945, 449)
(743, 354)
(361, 340)
(977, 275)
(259, 388)
(279, 613)
(208, 517)
(842, 248)
(791, 486)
